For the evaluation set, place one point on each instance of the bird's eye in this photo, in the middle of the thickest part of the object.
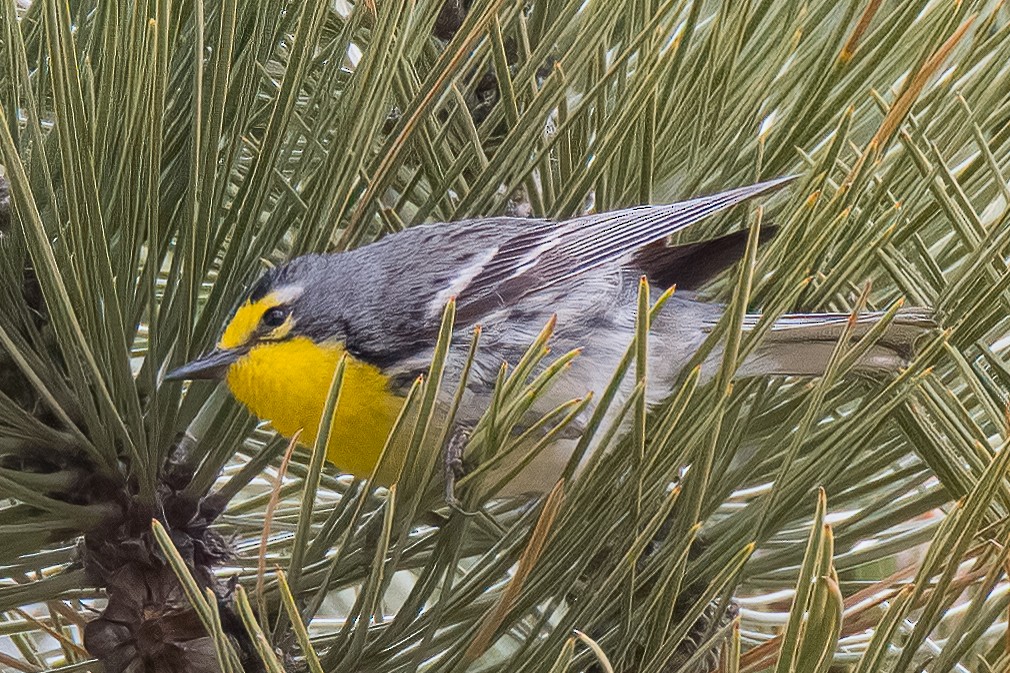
(274, 317)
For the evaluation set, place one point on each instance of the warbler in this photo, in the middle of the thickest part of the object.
(381, 306)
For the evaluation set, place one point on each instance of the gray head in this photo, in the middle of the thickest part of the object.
(300, 298)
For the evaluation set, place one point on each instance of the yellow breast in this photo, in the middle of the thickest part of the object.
(287, 383)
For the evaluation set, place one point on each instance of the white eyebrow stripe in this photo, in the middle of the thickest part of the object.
(463, 278)
(287, 293)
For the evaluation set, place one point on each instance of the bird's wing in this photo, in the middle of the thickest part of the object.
(689, 266)
(547, 253)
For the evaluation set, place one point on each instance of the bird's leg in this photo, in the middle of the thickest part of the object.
(452, 462)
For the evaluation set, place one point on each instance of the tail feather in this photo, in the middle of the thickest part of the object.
(801, 344)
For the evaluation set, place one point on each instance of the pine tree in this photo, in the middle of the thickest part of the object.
(155, 155)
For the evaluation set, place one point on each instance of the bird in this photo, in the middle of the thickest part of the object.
(380, 307)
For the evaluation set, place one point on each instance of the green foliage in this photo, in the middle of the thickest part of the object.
(157, 154)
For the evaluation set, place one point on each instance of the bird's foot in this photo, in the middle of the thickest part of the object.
(452, 464)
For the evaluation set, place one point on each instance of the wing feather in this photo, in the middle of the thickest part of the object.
(547, 253)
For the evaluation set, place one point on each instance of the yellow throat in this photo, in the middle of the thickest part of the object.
(287, 382)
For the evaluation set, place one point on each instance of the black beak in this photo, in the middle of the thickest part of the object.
(213, 366)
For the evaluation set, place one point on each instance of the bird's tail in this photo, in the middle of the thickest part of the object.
(800, 344)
